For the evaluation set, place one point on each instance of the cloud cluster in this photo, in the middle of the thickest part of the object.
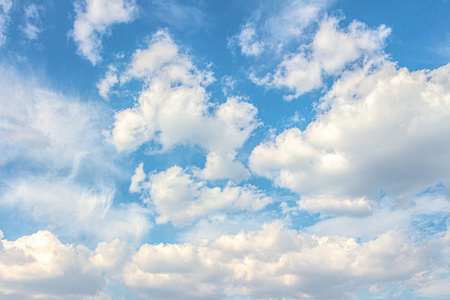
(278, 263)
(94, 19)
(180, 199)
(39, 265)
(331, 50)
(174, 109)
(380, 130)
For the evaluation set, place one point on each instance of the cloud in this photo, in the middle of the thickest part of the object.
(5, 7)
(382, 129)
(180, 199)
(73, 209)
(52, 129)
(39, 265)
(247, 40)
(105, 84)
(33, 24)
(94, 19)
(331, 50)
(278, 263)
(273, 262)
(58, 171)
(137, 179)
(179, 15)
(274, 26)
(174, 109)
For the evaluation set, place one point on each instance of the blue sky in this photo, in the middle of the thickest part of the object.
(224, 149)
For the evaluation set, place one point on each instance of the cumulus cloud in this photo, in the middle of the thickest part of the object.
(278, 263)
(40, 266)
(174, 109)
(5, 7)
(382, 129)
(94, 19)
(331, 50)
(273, 262)
(180, 199)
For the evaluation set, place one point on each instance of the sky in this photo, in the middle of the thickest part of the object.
(224, 149)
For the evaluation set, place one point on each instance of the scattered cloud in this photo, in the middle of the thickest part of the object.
(331, 50)
(94, 19)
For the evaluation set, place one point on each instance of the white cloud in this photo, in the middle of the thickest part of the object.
(180, 199)
(94, 19)
(40, 266)
(105, 84)
(137, 179)
(54, 130)
(277, 263)
(74, 209)
(331, 50)
(273, 262)
(5, 7)
(33, 25)
(68, 185)
(247, 40)
(381, 129)
(385, 216)
(175, 109)
(275, 25)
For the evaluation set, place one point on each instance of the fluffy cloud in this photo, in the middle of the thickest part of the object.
(180, 199)
(278, 263)
(175, 109)
(5, 7)
(271, 262)
(40, 266)
(331, 50)
(94, 19)
(382, 129)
